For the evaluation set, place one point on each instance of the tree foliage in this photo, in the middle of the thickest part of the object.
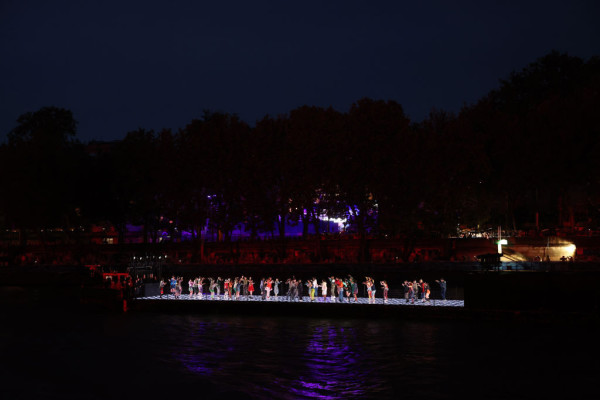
(528, 147)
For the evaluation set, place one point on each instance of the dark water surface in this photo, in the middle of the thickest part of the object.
(71, 354)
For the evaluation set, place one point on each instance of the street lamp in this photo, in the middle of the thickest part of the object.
(500, 243)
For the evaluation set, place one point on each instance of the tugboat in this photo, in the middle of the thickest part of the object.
(106, 290)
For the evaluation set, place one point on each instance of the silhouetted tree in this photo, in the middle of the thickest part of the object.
(44, 166)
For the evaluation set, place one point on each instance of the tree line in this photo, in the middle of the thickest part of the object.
(525, 156)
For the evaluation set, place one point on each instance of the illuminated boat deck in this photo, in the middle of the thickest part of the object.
(306, 299)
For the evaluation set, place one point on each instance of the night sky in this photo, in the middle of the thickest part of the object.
(123, 65)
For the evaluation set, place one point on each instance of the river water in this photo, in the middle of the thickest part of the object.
(56, 352)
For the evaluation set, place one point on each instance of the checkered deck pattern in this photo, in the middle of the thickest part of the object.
(306, 299)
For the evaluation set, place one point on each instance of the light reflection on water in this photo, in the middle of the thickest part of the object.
(56, 353)
(301, 358)
(331, 360)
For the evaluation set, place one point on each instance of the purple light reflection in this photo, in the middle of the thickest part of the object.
(195, 357)
(331, 359)
(275, 359)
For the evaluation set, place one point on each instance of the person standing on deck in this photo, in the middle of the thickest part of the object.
(238, 288)
(385, 288)
(373, 290)
(415, 290)
(200, 289)
(172, 283)
(422, 290)
(299, 290)
(211, 288)
(367, 283)
(226, 289)
(290, 292)
(354, 285)
(245, 286)
(347, 289)
(251, 287)
(178, 288)
(268, 285)
(442, 284)
(276, 287)
(340, 288)
(406, 286)
(332, 288)
(218, 286)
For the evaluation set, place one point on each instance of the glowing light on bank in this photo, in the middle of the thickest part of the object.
(500, 243)
(341, 222)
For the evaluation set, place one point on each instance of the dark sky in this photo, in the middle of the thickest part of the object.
(121, 65)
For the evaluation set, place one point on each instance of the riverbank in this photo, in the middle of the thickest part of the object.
(317, 250)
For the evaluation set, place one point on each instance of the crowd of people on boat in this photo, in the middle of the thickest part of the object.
(330, 289)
